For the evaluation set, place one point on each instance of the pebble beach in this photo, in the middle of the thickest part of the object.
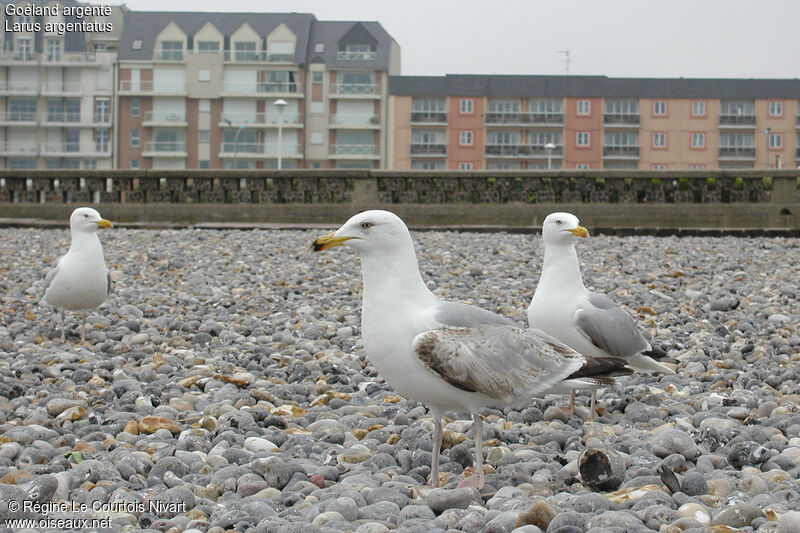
(223, 386)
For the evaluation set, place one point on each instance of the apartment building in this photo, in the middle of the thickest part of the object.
(252, 90)
(56, 91)
(592, 122)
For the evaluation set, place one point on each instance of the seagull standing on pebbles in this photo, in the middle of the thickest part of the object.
(80, 281)
(586, 321)
(449, 356)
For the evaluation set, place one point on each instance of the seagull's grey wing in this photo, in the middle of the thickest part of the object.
(502, 362)
(458, 315)
(48, 279)
(609, 327)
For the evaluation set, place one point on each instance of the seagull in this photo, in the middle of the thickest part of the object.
(586, 321)
(80, 280)
(450, 356)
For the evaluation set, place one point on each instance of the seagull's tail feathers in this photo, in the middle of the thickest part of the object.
(596, 373)
(645, 363)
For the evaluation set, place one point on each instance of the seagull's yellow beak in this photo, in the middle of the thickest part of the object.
(104, 224)
(580, 231)
(328, 241)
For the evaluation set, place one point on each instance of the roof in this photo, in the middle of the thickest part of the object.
(329, 33)
(591, 86)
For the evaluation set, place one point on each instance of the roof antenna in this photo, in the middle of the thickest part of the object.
(567, 60)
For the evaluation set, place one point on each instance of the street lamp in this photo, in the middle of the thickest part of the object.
(235, 140)
(281, 104)
(766, 135)
(549, 147)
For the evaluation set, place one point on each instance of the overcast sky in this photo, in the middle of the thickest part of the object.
(620, 38)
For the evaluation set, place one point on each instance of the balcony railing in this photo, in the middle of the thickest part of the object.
(355, 120)
(737, 152)
(164, 116)
(541, 149)
(264, 87)
(167, 55)
(492, 149)
(513, 117)
(75, 148)
(741, 120)
(61, 87)
(620, 151)
(19, 117)
(355, 88)
(259, 119)
(346, 55)
(428, 149)
(257, 56)
(241, 149)
(62, 118)
(23, 87)
(354, 149)
(18, 56)
(12, 149)
(148, 86)
(174, 147)
(621, 119)
(430, 117)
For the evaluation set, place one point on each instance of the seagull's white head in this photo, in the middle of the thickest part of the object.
(562, 228)
(86, 219)
(369, 232)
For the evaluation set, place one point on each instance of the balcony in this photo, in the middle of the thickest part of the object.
(12, 149)
(355, 90)
(167, 55)
(245, 88)
(61, 119)
(428, 117)
(18, 56)
(258, 150)
(506, 150)
(61, 88)
(19, 88)
(533, 119)
(737, 152)
(71, 59)
(428, 149)
(164, 149)
(263, 120)
(369, 151)
(346, 55)
(165, 118)
(356, 121)
(72, 149)
(738, 120)
(257, 56)
(541, 150)
(621, 120)
(621, 152)
(18, 118)
(152, 87)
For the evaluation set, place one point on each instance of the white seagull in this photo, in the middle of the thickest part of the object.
(449, 356)
(586, 321)
(80, 280)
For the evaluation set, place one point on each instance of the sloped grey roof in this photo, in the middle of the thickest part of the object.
(330, 32)
(591, 86)
(147, 25)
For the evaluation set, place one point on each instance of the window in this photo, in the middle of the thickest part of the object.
(204, 74)
(776, 109)
(465, 166)
(89, 164)
(20, 110)
(698, 140)
(55, 111)
(466, 106)
(24, 49)
(134, 164)
(203, 136)
(319, 48)
(582, 166)
(72, 140)
(584, 107)
(775, 141)
(356, 82)
(99, 47)
(280, 51)
(135, 107)
(169, 141)
(72, 109)
(465, 138)
(316, 164)
(698, 109)
(22, 163)
(659, 166)
(72, 163)
(101, 140)
(172, 50)
(53, 50)
(427, 165)
(316, 76)
(136, 45)
(660, 108)
(102, 110)
(204, 164)
(659, 140)
(697, 167)
(204, 105)
(244, 51)
(134, 138)
(582, 139)
(208, 47)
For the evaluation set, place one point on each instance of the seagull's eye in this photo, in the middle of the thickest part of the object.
(86, 215)
(558, 222)
(366, 225)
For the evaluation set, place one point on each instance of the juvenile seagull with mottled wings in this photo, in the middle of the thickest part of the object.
(80, 280)
(449, 356)
(586, 321)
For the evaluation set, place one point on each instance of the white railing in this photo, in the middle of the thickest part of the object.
(164, 116)
(246, 55)
(230, 149)
(65, 118)
(345, 55)
(18, 116)
(168, 55)
(19, 87)
(147, 86)
(18, 149)
(75, 148)
(264, 87)
(60, 87)
(354, 149)
(259, 118)
(355, 88)
(17, 56)
(355, 120)
(165, 146)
